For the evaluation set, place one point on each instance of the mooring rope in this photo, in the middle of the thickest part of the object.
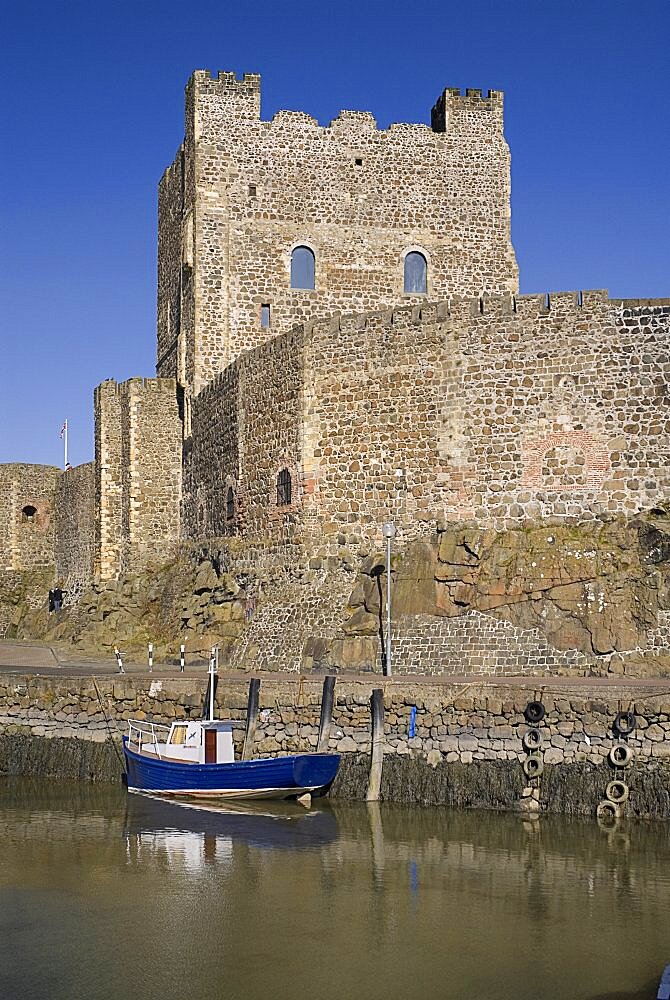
(109, 729)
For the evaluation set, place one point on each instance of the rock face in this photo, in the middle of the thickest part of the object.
(545, 598)
(596, 587)
(190, 600)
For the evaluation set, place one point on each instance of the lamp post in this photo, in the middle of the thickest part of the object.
(388, 531)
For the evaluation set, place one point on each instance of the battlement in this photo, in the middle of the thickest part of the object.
(10, 469)
(660, 306)
(237, 98)
(110, 387)
(556, 305)
(350, 124)
(294, 118)
(229, 81)
(451, 103)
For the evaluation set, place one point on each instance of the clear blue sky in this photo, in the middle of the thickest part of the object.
(93, 112)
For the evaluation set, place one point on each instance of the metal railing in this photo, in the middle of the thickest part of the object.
(140, 732)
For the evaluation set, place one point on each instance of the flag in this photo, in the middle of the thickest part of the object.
(63, 429)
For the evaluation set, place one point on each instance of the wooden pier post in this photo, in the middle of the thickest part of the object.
(325, 721)
(377, 839)
(377, 725)
(252, 717)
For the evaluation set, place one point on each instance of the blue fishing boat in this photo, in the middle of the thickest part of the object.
(195, 759)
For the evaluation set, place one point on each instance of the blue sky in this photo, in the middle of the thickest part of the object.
(93, 112)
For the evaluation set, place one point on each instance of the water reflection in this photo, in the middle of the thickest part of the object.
(200, 834)
(103, 894)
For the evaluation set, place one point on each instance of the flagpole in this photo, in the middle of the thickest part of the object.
(65, 440)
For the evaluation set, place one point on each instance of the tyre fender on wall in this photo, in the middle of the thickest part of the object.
(534, 711)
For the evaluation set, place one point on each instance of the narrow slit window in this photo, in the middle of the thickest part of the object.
(416, 273)
(265, 314)
(303, 268)
(284, 488)
(230, 504)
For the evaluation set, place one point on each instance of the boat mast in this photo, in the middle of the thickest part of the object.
(212, 670)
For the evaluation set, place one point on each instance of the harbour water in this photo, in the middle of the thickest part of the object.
(104, 895)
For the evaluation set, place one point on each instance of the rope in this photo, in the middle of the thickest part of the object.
(109, 728)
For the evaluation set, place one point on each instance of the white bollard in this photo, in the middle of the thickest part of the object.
(182, 657)
(119, 659)
(151, 657)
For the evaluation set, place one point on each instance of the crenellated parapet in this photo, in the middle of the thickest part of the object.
(452, 106)
(244, 193)
(549, 305)
(237, 97)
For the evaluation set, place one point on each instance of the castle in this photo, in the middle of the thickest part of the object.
(340, 340)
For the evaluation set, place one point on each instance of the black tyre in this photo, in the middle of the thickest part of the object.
(535, 711)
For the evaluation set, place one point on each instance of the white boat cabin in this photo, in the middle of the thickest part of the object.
(186, 741)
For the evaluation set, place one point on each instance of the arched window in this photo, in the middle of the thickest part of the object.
(28, 512)
(416, 273)
(302, 268)
(284, 488)
(230, 504)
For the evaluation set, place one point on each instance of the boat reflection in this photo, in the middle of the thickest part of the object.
(193, 832)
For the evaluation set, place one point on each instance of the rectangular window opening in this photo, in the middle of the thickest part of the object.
(358, 161)
(265, 315)
(252, 190)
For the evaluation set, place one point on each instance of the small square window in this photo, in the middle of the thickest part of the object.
(265, 315)
(252, 190)
(358, 161)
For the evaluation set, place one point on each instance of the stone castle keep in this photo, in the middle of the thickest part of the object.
(340, 341)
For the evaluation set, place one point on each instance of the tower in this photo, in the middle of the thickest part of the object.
(263, 224)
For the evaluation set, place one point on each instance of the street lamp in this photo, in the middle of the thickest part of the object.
(388, 531)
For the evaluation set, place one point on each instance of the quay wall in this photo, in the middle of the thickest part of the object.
(466, 748)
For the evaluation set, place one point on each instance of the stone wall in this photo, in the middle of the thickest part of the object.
(438, 724)
(74, 510)
(137, 473)
(498, 410)
(242, 193)
(26, 515)
(247, 426)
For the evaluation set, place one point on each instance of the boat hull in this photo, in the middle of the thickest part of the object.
(267, 778)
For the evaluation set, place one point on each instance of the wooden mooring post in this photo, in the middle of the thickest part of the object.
(252, 717)
(326, 719)
(377, 726)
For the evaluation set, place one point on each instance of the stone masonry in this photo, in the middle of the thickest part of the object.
(287, 424)
(243, 192)
(74, 504)
(433, 724)
(499, 410)
(27, 515)
(138, 473)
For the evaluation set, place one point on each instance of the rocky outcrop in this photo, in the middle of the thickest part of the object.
(542, 598)
(24, 597)
(190, 600)
(596, 587)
